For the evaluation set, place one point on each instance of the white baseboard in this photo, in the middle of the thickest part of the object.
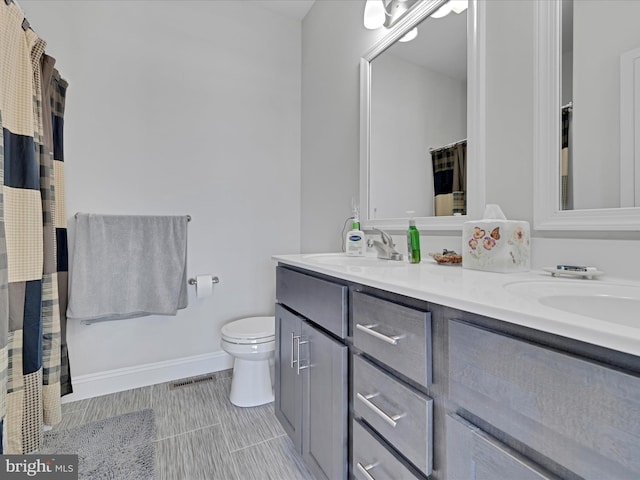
(111, 381)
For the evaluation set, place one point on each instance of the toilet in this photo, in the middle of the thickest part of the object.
(251, 341)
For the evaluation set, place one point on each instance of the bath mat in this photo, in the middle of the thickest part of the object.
(118, 448)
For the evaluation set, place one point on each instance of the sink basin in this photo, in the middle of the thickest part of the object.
(610, 302)
(341, 259)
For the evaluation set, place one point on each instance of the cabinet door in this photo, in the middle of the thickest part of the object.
(288, 381)
(324, 424)
(474, 455)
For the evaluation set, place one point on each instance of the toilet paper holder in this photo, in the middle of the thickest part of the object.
(192, 281)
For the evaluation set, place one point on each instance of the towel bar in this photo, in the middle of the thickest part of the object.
(192, 281)
(188, 216)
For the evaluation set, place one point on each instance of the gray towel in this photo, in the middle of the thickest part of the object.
(126, 266)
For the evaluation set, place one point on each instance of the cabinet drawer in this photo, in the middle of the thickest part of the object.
(399, 414)
(398, 336)
(371, 460)
(474, 455)
(321, 301)
(580, 414)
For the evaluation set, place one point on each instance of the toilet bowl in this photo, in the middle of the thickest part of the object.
(251, 341)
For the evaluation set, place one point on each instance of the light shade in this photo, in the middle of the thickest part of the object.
(374, 14)
(410, 35)
(443, 11)
(456, 6)
(459, 6)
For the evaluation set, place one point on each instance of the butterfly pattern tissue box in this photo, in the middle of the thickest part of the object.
(495, 244)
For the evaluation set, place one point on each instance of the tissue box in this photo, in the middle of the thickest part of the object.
(496, 245)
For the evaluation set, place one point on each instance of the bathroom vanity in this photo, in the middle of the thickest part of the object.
(311, 369)
(452, 374)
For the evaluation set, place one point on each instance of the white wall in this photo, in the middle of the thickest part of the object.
(413, 109)
(333, 40)
(226, 148)
(330, 133)
(181, 108)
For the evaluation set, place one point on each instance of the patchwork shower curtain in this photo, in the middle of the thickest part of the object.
(565, 159)
(450, 179)
(34, 371)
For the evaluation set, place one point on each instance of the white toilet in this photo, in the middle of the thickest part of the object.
(251, 341)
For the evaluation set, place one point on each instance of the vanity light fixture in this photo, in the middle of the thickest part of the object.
(384, 13)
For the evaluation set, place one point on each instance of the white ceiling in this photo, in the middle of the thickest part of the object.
(290, 8)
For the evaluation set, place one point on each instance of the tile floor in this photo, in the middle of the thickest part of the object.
(200, 434)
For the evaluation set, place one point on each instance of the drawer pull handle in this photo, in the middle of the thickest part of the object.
(293, 337)
(390, 419)
(380, 336)
(365, 470)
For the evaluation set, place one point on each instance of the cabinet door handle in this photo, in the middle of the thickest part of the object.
(298, 367)
(380, 336)
(365, 470)
(292, 340)
(390, 419)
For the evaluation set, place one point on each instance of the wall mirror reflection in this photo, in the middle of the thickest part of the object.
(418, 117)
(587, 180)
(418, 148)
(600, 88)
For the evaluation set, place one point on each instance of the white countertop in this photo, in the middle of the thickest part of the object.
(483, 293)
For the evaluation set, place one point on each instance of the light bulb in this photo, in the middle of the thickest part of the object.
(443, 11)
(374, 14)
(459, 6)
(410, 35)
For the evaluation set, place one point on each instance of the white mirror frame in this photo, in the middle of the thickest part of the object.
(475, 118)
(547, 214)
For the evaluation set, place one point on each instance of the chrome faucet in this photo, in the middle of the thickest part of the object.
(386, 248)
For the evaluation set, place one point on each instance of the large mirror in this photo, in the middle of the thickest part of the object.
(421, 140)
(587, 86)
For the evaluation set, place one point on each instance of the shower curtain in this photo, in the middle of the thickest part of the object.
(450, 179)
(34, 369)
(565, 158)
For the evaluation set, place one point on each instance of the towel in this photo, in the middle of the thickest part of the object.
(444, 204)
(126, 266)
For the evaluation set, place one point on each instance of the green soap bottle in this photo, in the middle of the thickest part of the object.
(413, 240)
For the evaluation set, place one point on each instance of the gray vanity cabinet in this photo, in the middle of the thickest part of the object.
(445, 394)
(311, 370)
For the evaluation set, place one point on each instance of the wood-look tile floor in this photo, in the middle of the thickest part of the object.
(201, 435)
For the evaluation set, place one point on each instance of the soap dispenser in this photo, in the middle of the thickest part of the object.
(413, 240)
(355, 243)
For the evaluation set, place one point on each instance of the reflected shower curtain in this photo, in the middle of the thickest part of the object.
(565, 159)
(32, 237)
(450, 179)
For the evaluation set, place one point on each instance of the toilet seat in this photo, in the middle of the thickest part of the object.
(248, 331)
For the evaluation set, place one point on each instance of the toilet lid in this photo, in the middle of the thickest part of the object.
(252, 328)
